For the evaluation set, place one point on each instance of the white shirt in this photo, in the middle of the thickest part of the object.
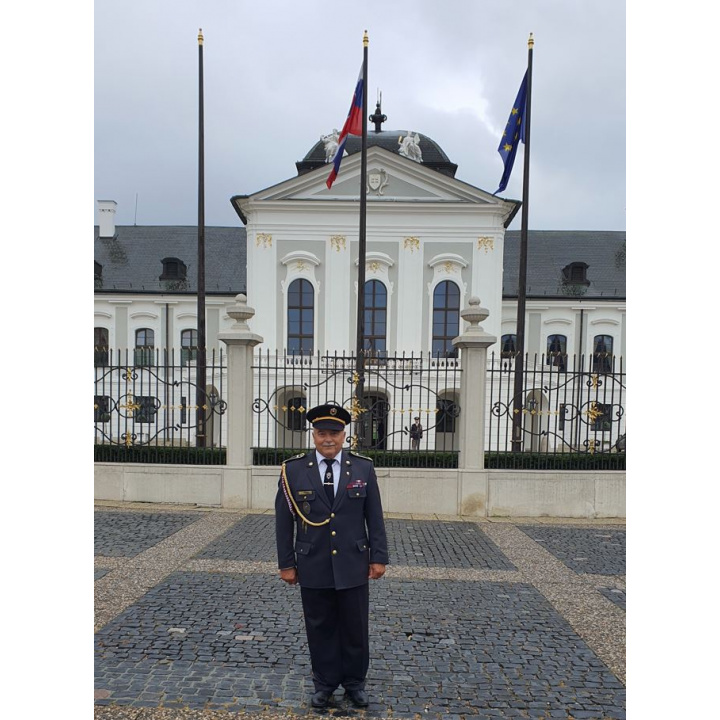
(335, 468)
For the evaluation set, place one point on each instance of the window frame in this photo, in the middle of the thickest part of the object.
(557, 358)
(304, 312)
(102, 346)
(144, 353)
(378, 316)
(510, 354)
(188, 351)
(448, 351)
(173, 269)
(602, 361)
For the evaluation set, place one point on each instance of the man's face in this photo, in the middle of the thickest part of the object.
(328, 442)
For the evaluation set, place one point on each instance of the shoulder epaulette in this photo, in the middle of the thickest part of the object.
(295, 457)
(357, 454)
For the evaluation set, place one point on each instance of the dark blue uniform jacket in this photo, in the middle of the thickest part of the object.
(336, 555)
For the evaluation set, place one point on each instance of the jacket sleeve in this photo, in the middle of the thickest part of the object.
(284, 530)
(375, 522)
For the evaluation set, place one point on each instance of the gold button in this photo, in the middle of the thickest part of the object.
(334, 552)
(332, 515)
(333, 533)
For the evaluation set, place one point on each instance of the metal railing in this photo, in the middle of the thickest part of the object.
(397, 389)
(571, 405)
(146, 406)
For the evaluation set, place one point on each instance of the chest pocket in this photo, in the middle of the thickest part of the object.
(305, 495)
(357, 492)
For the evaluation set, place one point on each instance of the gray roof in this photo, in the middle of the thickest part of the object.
(433, 156)
(132, 260)
(549, 251)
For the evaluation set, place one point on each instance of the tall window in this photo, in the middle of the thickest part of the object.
(301, 310)
(507, 346)
(446, 319)
(189, 346)
(447, 412)
(144, 347)
(602, 353)
(375, 318)
(294, 416)
(557, 351)
(101, 346)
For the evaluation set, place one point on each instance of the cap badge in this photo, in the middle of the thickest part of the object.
(333, 411)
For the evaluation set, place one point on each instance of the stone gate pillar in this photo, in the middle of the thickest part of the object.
(240, 341)
(473, 345)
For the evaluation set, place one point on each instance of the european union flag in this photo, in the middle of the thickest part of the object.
(514, 134)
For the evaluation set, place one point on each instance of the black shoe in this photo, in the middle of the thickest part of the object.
(359, 698)
(320, 699)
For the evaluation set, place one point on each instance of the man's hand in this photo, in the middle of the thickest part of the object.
(289, 575)
(376, 571)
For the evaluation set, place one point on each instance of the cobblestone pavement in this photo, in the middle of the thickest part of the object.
(474, 618)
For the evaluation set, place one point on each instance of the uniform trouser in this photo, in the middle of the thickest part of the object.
(336, 622)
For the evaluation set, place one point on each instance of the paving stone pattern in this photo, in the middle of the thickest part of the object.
(614, 595)
(412, 543)
(598, 551)
(442, 544)
(237, 642)
(101, 572)
(252, 538)
(119, 534)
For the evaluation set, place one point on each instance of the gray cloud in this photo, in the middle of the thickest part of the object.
(279, 74)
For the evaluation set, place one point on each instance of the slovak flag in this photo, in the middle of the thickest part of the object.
(352, 126)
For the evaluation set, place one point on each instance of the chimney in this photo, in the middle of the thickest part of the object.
(106, 218)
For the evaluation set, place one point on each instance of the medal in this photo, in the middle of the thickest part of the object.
(306, 507)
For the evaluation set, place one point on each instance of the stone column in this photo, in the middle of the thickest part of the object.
(474, 342)
(240, 341)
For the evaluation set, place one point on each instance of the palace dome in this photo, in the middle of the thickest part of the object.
(433, 155)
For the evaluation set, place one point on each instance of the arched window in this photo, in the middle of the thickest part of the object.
(557, 351)
(446, 319)
(101, 346)
(508, 343)
(301, 317)
(189, 346)
(295, 409)
(374, 337)
(602, 353)
(144, 347)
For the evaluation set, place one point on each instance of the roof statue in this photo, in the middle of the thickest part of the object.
(410, 146)
(331, 144)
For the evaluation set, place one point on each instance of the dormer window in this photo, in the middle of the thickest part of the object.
(575, 274)
(173, 269)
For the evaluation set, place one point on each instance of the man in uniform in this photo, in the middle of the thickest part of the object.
(331, 540)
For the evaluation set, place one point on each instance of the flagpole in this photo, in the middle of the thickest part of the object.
(518, 399)
(359, 359)
(201, 374)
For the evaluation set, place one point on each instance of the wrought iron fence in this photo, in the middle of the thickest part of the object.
(571, 406)
(396, 390)
(146, 407)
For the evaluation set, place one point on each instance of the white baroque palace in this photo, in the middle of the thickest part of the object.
(433, 242)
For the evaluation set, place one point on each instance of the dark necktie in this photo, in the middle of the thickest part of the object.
(328, 481)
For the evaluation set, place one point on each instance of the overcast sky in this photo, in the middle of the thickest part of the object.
(279, 74)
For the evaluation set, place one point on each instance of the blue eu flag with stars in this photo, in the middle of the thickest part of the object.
(514, 133)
